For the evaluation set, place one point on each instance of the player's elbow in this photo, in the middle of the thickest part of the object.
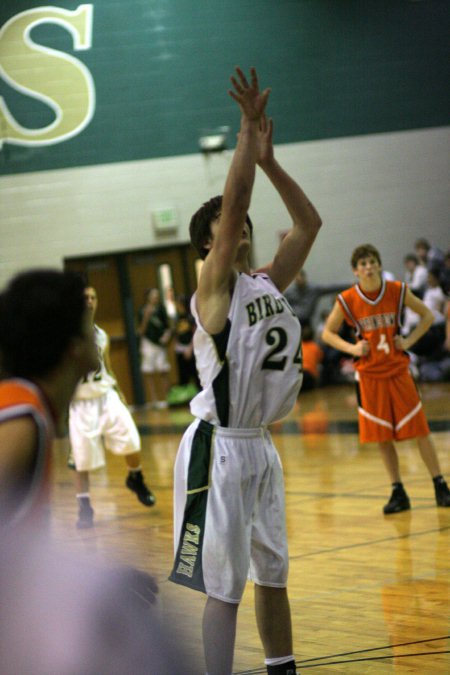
(310, 225)
(317, 220)
(325, 336)
(314, 218)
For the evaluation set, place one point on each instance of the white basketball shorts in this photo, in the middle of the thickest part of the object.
(97, 423)
(229, 521)
(153, 357)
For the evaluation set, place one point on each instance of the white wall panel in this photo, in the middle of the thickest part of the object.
(387, 189)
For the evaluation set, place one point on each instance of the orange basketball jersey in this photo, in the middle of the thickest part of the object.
(377, 320)
(19, 398)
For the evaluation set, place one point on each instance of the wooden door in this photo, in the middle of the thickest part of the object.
(164, 269)
(121, 280)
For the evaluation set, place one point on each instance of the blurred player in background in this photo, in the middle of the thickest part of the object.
(99, 418)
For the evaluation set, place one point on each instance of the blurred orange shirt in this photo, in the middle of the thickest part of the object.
(21, 398)
(312, 356)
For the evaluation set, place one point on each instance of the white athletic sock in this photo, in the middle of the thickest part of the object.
(279, 660)
(136, 470)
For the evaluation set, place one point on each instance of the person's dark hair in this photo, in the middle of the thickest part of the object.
(200, 225)
(364, 251)
(307, 332)
(422, 243)
(149, 291)
(40, 312)
(411, 257)
(184, 301)
(436, 273)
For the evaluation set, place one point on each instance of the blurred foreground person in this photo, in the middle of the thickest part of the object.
(61, 614)
(46, 346)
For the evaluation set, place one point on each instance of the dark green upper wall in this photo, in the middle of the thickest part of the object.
(161, 68)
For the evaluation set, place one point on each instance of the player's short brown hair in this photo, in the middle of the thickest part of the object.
(364, 251)
(200, 225)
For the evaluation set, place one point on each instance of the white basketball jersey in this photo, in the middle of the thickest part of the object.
(251, 373)
(97, 382)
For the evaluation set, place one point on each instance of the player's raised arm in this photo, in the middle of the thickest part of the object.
(213, 296)
(295, 247)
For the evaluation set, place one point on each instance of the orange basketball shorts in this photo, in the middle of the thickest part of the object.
(389, 408)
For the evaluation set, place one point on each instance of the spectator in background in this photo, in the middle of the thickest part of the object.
(154, 329)
(416, 274)
(430, 345)
(434, 358)
(303, 296)
(312, 359)
(434, 296)
(430, 256)
(445, 274)
(447, 327)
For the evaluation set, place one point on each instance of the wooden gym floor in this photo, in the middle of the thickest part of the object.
(369, 593)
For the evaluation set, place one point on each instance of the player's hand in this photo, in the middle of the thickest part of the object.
(400, 343)
(265, 144)
(165, 338)
(361, 348)
(251, 101)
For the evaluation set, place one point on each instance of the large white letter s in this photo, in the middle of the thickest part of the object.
(58, 79)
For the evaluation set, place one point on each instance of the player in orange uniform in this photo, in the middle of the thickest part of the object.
(46, 345)
(389, 406)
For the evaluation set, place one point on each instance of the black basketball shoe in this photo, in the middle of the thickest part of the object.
(442, 492)
(399, 501)
(135, 483)
(85, 516)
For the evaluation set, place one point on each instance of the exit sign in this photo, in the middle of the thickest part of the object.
(165, 220)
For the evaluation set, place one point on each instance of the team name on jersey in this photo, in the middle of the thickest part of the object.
(189, 550)
(378, 321)
(265, 306)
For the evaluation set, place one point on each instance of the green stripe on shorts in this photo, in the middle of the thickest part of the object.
(187, 569)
